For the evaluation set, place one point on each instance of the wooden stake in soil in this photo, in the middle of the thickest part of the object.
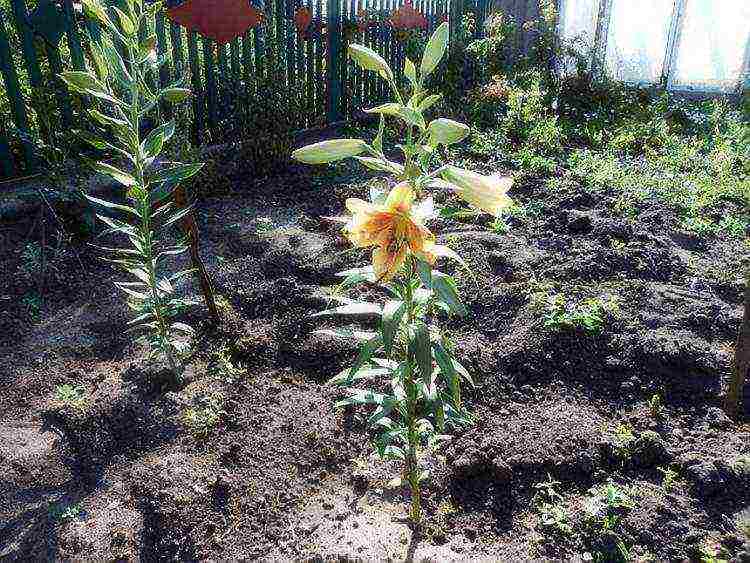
(741, 364)
(190, 228)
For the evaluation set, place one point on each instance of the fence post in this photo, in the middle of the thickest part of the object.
(673, 43)
(333, 60)
(600, 37)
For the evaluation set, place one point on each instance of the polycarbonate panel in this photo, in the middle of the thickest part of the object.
(579, 19)
(637, 39)
(712, 43)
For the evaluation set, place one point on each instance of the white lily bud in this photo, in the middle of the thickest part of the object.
(446, 131)
(329, 151)
(434, 50)
(370, 60)
(488, 193)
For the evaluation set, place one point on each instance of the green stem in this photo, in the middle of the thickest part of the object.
(145, 208)
(411, 468)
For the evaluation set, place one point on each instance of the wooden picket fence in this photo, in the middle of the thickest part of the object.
(41, 38)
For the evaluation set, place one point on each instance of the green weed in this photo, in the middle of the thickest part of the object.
(203, 418)
(559, 313)
(61, 512)
(71, 395)
(669, 477)
(553, 514)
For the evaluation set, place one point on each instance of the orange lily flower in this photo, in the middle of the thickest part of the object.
(392, 228)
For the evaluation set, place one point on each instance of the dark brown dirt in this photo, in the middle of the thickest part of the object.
(280, 473)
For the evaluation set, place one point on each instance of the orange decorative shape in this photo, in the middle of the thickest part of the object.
(406, 17)
(302, 19)
(221, 20)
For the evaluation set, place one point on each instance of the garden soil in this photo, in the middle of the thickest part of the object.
(255, 462)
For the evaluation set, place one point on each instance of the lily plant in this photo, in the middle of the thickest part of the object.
(119, 81)
(409, 355)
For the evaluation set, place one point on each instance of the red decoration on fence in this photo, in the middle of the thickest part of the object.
(222, 20)
(307, 26)
(406, 17)
(364, 21)
(302, 19)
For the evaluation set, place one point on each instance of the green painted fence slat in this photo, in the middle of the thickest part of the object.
(61, 90)
(222, 80)
(248, 64)
(30, 57)
(208, 65)
(7, 170)
(245, 73)
(333, 61)
(289, 32)
(379, 43)
(74, 38)
(198, 94)
(311, 81)
(162, 48)
(345, 110)
(27, 42)
(178, 59)
(299, 71)
(259, 48)
(234, 49)
(368, 41)
(13, 88)
(320, 79)
(221, 56)
(278, 36)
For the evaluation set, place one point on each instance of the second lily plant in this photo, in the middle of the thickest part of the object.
(406, 371)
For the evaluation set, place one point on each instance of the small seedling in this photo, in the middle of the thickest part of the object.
(499, 226)
(61, 512)
(222, 366)
(204, 417)
(33, 303)
(670, 476)
(604, 510)
(70, 395)
(458, 213)
(560, 314)
(623, 440)
(553, 514)
(616, 497)
(656, 406)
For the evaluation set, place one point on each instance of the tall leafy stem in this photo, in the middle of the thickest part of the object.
(409, 351)
(147, 213)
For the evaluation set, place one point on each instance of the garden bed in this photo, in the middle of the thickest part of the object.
(599, 341)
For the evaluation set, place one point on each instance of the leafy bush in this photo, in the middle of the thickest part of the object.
(491, 52)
